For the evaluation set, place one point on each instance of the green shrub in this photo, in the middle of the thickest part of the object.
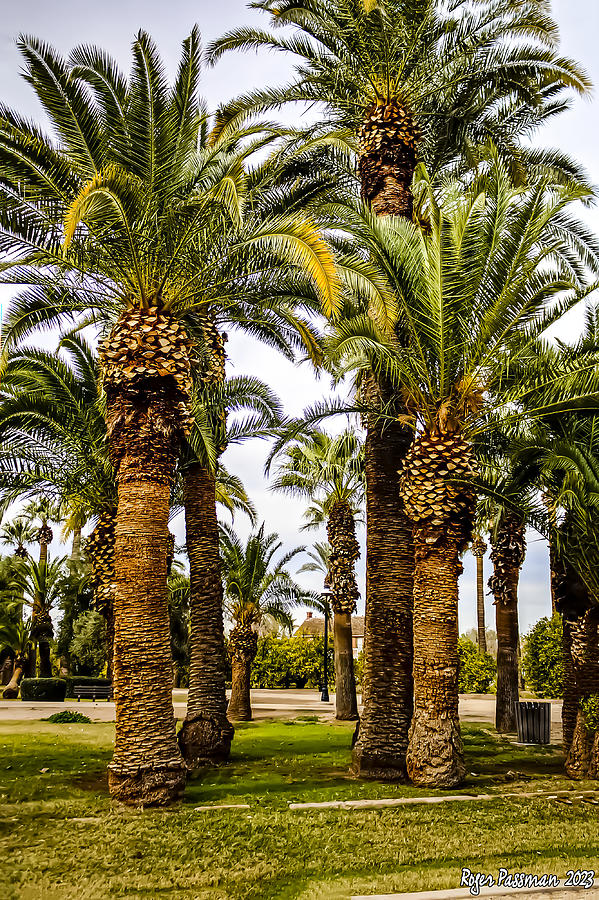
(51, 689)
(88, 644)
(542, 661)
(86, 680)
(590, 709)
(283, 662)
(476, 670)
(68, 716)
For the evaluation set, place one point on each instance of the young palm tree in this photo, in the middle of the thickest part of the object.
(400, 82)
(473, 301)
(329, 471)
(16, 534)
(256, 587)
(122, 216)
(15, 632)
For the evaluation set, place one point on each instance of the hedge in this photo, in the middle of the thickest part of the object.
(477, 670)
(87, 680)
(50, 689)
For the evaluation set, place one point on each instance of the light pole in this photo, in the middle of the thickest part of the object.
(325, 602)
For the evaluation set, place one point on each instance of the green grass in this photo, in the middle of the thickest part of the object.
(60, 837)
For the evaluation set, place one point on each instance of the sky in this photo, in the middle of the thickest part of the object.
(112, 25)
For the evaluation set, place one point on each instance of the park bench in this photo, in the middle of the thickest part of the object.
(93, 691)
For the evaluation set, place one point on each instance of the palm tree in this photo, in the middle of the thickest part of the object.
(124, 218)
(400, 82)
(256, 587)
(206, 733)
(330, 472)
(15, 633)
(39, 586)
(478, 549)
(16, 534)
(473, 302)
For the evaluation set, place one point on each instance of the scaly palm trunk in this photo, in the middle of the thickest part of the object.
(572, 601)
(341, 532)
(478, 551)
(380, 749)
(243, 643)
(42, 629)
(11, 691)
(441, 511)
(99, 549)
(582, 760)
(206, 733)
(507, 555)
(387, 161)
(146, 375)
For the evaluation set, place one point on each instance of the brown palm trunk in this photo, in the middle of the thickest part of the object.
(206, 733)
(341, 532)
(99, 549)
(440, 503)
(11, 691)
(244, 643)
(478, 551)
(45, 663)
(507, 554)
(571, 692)
(386, 169)
(583, 755)
(380, 749)
(146, 375)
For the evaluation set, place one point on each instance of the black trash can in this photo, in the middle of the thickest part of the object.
(533, 720)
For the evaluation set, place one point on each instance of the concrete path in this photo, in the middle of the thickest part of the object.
(281, 704)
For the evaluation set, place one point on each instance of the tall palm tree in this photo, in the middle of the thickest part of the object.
(329, 471)
(399, 82)
(473, 301)
(121, 216)
(257, 586)
(478, 549)
(206, 733)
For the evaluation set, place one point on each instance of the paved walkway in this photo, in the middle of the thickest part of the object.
(281, 704)
(497, 893)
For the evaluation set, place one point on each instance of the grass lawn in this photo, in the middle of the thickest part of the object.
(60, 837)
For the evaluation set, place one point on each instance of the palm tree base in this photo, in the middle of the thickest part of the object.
(151, 786)
(435, 756)
(583, 756)
(378, 766)
(205, 740)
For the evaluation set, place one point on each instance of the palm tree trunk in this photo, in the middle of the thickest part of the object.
(480, 606)
(380, 749)
(244, 643)
(478, 551)
(582, 760)
(206, 733)
(11, 691)
(341, 532)
(571, 693)
(435, 753)
(45, 663)
(100, 552)
(145, 364)
(507, 554)
(440, 503)
(386, 170)
(346, 704)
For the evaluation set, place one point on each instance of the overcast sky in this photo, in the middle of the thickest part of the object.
(66, 23)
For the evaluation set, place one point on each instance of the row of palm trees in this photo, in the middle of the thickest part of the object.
(438, 269)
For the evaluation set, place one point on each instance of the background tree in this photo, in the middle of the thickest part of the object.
(330, 472)
(256, 586)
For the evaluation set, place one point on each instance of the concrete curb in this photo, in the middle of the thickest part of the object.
(499, 893)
